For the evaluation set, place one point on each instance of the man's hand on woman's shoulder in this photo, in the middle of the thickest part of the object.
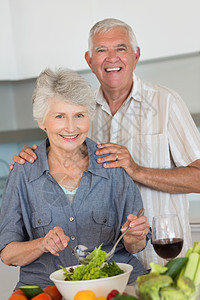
(27, 154)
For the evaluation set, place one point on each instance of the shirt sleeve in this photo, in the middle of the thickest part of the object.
(134, 203)
(133, 199)
(11, 221)
(184, 137)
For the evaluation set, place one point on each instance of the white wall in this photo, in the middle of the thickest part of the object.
(35, 34)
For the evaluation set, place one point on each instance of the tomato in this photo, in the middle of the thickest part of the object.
(17, 297)
(52, 291)
(42, 296)
(112, 294)
(18, 292)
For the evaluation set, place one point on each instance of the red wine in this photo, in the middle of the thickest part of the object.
(168, 248)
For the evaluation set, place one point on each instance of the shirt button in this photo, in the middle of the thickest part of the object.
(71, 219)
(73, 237)
(39, 221)
(104, 220)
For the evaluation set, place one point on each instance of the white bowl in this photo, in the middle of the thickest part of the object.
(101, 287)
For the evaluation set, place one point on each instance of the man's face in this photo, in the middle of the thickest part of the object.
(113, 59)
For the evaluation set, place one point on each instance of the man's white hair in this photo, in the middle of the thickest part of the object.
(105, 26)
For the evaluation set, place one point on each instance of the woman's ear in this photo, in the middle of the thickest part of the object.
(41, 126)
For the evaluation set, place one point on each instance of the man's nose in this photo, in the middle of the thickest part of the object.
(112, 55)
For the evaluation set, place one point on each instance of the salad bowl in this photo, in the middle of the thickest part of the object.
(101, 286)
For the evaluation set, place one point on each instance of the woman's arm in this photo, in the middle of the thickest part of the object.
(23, 253)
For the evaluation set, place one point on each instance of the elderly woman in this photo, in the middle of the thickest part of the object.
(66, 197)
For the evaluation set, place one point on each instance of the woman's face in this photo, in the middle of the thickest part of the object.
(66, 124)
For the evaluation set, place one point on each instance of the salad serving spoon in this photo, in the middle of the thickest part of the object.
(81, 252)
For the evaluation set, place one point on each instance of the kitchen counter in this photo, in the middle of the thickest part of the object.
(9, 275)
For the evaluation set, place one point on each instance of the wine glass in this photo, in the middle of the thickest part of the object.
(167, 236)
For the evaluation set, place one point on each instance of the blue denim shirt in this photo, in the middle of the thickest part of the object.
(33, 203)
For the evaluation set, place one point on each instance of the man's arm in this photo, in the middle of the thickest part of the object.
(27, 154)
(180, 180)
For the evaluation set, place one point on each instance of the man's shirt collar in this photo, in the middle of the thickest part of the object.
(134, 94)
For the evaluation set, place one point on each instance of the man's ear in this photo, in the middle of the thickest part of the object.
(137, 54)
(88, 59)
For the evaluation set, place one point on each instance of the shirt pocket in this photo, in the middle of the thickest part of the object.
(41, 221)
(105, 221)
(152, 150)
(97, 229)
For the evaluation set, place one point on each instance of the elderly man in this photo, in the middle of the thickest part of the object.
(146, 128)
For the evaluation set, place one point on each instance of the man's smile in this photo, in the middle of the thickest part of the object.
(112, 69)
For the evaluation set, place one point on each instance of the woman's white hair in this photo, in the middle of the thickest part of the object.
(65, 84)
(108, 24)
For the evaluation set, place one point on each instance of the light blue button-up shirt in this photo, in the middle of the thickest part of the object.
(33, 203)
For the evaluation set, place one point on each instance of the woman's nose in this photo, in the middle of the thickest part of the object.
(69, 125)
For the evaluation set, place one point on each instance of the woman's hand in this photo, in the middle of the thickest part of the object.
(135, 238)
(55, 241)
(27, 154)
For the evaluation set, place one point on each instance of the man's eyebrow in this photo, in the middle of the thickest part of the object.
(122, 45)
(117, 46)
(100, 47)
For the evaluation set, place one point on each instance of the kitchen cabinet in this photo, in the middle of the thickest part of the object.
(35, 34)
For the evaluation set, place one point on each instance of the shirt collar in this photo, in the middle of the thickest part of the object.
(95, 167)
(101, 100)
(134, 94)
(41, 166)
(136, 91)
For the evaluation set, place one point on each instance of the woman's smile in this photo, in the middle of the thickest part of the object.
(69, 137)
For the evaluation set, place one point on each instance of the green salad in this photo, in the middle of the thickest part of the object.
(94, 269)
